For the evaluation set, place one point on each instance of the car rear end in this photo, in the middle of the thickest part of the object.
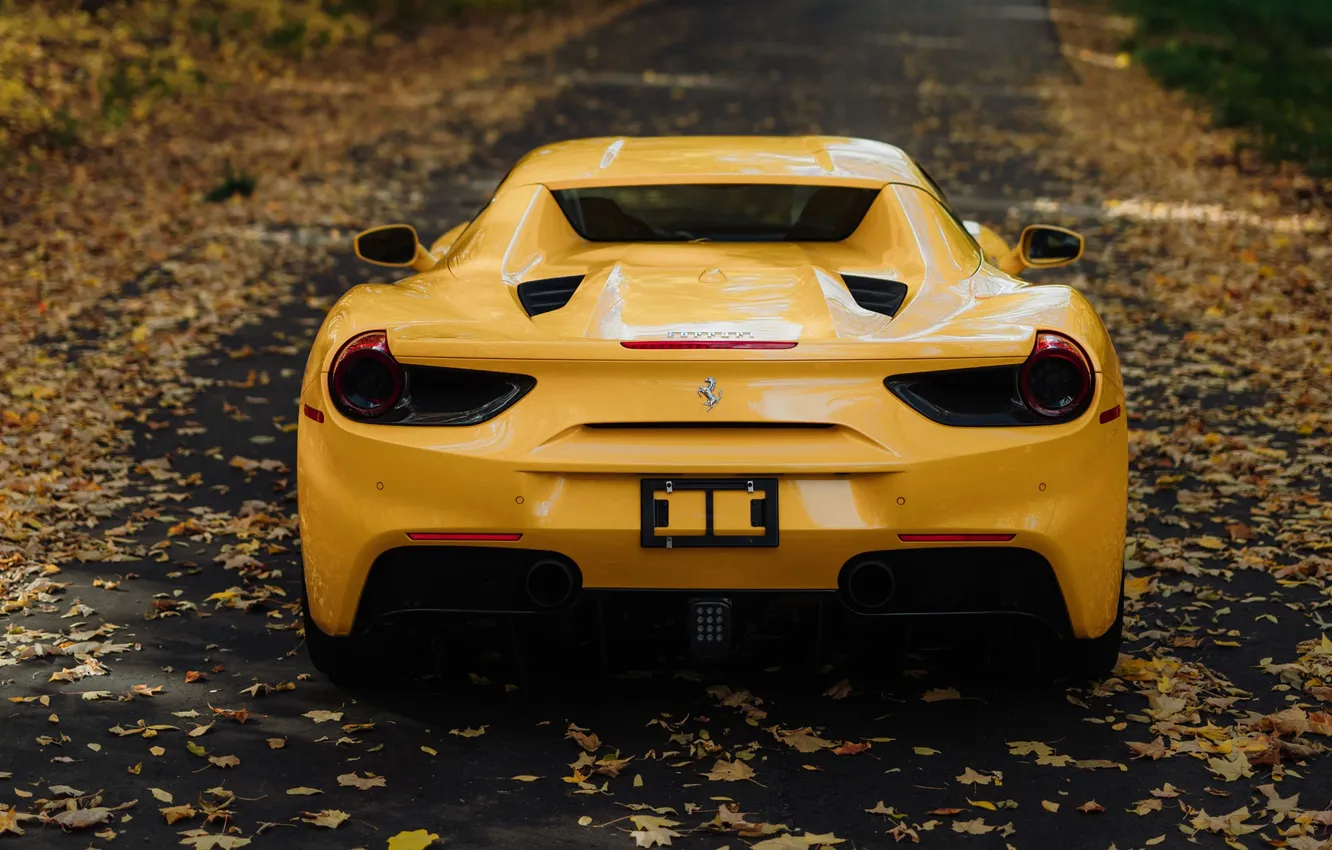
(878, 481)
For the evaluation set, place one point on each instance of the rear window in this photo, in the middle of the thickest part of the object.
(716, 212)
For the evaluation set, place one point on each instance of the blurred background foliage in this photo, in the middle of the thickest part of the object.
(71, 69)
(1264, 65)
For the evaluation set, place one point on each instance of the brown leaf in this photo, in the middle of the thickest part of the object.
(841, 690)
(589, 742)
(730, 771)
(175, 813)
(351, 780)
(1155, 750)
(1091, 807)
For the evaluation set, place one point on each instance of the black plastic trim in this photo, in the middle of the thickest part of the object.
(543, 296)
(876, 294)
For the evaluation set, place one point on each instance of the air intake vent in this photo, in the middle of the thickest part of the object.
(876, 294)
(542, 296)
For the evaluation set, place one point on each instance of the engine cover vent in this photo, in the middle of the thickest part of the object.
(542, 296)
(876, 294)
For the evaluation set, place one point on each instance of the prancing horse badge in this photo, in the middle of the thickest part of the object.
(709, 393)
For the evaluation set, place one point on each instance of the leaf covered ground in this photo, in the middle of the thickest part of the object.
(152, 658)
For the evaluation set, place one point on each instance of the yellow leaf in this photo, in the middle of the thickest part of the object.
(182, 812)
(939, 694)
(430, 751)
(525, 778)
(984, 804)
(1049, 807)
(417, 839)
(160, 795)
(585, 821)
(1136, 587)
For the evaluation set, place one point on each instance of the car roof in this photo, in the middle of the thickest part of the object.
(629, 160)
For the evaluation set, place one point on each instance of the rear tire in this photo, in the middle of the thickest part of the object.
(1096, 658)
(338, 658)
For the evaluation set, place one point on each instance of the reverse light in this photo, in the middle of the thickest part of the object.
(1056, 380)
(365, 380)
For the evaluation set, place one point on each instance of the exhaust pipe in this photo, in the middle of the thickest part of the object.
(869, 585)
(550, 584)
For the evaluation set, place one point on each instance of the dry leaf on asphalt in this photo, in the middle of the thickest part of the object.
(330, 818)
(940, 694)
(175, 813)
(841, 690)
(417, 839)
(973, 827)
(971, 777)
(730, 771)
(363, 783)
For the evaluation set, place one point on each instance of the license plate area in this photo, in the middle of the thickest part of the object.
(744, 515)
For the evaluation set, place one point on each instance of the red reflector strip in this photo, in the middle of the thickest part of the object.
(437, 535)
(955, 538)
(313, 413)
(673, 345)
(1111, 415)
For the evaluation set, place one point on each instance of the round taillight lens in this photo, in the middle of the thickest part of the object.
(1056, 380)
(365, 380)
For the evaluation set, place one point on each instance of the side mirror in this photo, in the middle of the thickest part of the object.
(394, 245)
(1043, 246)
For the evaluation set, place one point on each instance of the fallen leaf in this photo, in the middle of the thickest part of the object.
(472, 733)
(1091, 807)
(330, 818)
(973, 827)
(303, 791)
(841, 690)
(351, 780)
(175, 813)
(730, 771)
(971, 777)
(940, 694)
(417, 839)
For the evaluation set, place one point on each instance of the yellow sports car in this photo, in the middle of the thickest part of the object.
(713, 367)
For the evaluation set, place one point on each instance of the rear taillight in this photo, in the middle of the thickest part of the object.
(1056, 380)
(365, 381)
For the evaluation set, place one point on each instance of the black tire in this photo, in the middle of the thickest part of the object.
(338, 658)
(1096, 658)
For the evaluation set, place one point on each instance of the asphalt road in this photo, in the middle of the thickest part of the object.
(953, 81)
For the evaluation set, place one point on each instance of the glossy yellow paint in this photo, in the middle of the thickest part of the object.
(880, 469)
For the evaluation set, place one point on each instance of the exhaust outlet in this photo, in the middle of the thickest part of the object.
(550, 584)
(870, 585)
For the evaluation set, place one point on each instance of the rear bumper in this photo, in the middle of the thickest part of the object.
(924, 582)
(879, 471)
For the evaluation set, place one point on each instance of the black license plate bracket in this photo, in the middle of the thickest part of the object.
(655, 512)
